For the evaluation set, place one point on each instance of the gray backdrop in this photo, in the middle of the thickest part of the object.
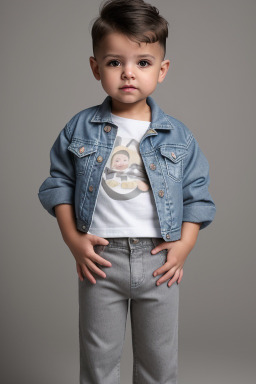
(45, 80)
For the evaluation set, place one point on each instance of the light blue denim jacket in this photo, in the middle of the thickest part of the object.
(177, 169)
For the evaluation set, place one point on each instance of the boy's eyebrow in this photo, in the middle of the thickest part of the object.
(120, 56)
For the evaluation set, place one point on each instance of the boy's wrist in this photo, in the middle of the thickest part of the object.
(70, 237)
(188, 244)
(189, 234)
(66, 220)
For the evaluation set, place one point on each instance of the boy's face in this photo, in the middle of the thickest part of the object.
(129, 72)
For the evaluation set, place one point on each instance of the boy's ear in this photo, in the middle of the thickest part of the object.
(95, 68)
(163, 70)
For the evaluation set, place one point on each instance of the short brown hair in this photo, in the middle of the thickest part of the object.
(136, 19)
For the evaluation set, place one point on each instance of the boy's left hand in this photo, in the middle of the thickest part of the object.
(176, 257)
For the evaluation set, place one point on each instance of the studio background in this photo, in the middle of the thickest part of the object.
(45, 80)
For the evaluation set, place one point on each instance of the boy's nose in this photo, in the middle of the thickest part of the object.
(128, 73)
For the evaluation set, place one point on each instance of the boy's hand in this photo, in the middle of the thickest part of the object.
(177, 253)
(81, 246)
(176, 257)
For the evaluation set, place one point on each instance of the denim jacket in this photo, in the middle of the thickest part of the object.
(177, 169)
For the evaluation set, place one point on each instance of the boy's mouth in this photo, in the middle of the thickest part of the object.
(128, 87)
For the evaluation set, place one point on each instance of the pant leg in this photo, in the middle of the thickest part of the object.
(154, 319)
(154, 316)
(102, 318)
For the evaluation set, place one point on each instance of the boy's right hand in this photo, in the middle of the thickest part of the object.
(82, 247)
(80, 244)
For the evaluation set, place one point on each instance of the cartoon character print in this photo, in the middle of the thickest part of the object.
(124, 176)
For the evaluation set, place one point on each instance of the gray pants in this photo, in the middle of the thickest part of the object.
(154, 316)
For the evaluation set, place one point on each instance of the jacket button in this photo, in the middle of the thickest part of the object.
(173, 155)
(81, 150)
(91, 188)
(168, 236)
(107, 128)
(99, 159)
(83, 226)
(152, 166)
(150, 131)
(161, 193)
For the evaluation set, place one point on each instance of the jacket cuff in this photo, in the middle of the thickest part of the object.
(49, 199)
(199, 214)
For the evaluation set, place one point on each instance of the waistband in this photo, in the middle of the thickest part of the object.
(127, 242)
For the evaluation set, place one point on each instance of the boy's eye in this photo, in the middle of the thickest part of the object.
(143, 63)
(114, 63)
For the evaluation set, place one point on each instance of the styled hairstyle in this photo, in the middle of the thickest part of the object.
(138, 20)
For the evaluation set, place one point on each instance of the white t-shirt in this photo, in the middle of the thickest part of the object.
(125, 205)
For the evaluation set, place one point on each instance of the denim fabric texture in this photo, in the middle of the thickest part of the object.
(177, 169)
(154, 311)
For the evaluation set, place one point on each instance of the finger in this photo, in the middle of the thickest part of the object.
(88, 274)
(100, 260)
(160, 270)
(99, 240)
(104, 241)
(180, 276)
(95, 269)
(168, 275)
(79, 271)
(158, 248)
(165, 267)
(174, 278)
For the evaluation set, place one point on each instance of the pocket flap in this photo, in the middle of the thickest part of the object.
(82, 148)
(175, 154)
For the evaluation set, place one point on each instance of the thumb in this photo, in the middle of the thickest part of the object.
(102, 241)
(97, 240)
(159, 248)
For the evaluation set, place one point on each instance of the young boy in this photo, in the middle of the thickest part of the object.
(130, 227)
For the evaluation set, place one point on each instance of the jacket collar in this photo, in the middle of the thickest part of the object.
(159, 118)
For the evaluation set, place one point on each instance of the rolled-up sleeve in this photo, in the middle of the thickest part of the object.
(59, 187)
(198, 205)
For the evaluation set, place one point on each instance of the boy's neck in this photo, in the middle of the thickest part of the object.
(137, 111)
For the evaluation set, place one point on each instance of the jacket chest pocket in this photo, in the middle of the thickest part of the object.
(82, 151)
(173, 158)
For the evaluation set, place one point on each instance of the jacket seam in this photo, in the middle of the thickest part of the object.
(190, 139)
(167, 190)
(69, 133)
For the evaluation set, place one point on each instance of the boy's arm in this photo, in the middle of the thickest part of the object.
(198, 205)
(57, 197)
(59, 187)
(80, 244)
(189, 234)
(66, 221)
(198, 212)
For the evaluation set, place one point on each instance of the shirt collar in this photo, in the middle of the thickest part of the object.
(159, 118)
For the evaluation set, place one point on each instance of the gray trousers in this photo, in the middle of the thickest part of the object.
(103, 311)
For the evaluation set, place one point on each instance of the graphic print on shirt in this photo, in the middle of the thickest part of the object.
(124, 176)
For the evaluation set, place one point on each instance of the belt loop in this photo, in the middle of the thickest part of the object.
(156, 241)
